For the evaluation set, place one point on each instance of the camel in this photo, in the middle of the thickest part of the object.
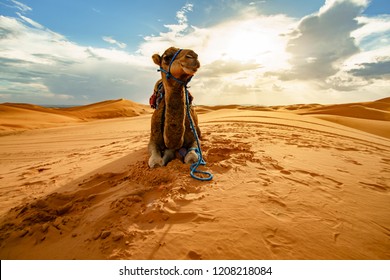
(170, 127)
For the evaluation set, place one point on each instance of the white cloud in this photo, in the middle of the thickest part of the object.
(114, 42)
(373, 33)
(338, 50)
(167, 39)
(329, 4)
(322, 41)
(181, 15)
(20, 6)
(42, 66)
(219, 68)
(30, 21)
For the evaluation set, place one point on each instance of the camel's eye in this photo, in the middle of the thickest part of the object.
(167, 58)
(189, 56)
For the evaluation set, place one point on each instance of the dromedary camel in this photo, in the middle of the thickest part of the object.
(170, 127)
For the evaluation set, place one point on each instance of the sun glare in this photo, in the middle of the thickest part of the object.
(246, 42)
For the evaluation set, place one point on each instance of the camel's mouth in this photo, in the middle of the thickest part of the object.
(189, 71)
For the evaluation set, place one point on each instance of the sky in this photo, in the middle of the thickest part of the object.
(252, 52)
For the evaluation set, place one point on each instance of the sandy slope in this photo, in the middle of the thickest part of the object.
(16, 117)
(289, 184)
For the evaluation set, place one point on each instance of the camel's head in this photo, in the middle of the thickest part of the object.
(184, 66)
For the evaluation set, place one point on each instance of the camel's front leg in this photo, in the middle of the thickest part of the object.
(191, 156)
(155, 159)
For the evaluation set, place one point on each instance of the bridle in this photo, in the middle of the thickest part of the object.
(169, 74)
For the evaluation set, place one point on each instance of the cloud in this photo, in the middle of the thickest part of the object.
(322, 41)
(330, 4)
(30, 21)
(373, 33)
(377, 70)
(181, 15)
(164, 40)
(338, 51)
(20, 6)
(114, 42)
(345, 82)
(221, 67)
(42, 66)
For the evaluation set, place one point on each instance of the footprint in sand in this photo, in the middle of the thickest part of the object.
(385, 161)
(273, 206)
(278, 242)
(269, 163)
(375, 187)
(328, 186)
(194, 255)
(225, 155)
(185, 217)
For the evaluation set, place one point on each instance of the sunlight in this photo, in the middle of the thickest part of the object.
(247, 45)
(246, 42)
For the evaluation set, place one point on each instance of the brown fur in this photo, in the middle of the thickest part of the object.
(170, 129)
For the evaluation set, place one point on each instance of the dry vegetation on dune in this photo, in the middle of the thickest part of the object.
(304, 181)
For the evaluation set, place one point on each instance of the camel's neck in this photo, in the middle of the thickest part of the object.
(174, 125)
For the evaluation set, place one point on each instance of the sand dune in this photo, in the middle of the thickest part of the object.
(109, 109)
(291, 182)
(19, 117)
(352, 110)
(372, 117)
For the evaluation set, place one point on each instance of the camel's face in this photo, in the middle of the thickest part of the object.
(185, 64)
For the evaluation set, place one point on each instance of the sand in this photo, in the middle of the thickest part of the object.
(290, 182)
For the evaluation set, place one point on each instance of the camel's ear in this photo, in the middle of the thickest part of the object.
(156, 59)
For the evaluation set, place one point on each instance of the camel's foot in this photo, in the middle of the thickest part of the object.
(191, 157)
(155, 162)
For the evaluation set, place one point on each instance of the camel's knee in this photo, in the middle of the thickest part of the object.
(155, 161)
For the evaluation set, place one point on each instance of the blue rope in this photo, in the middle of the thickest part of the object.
(197, 150)
(168, 73)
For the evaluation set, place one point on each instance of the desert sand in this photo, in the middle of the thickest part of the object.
(307, 181)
